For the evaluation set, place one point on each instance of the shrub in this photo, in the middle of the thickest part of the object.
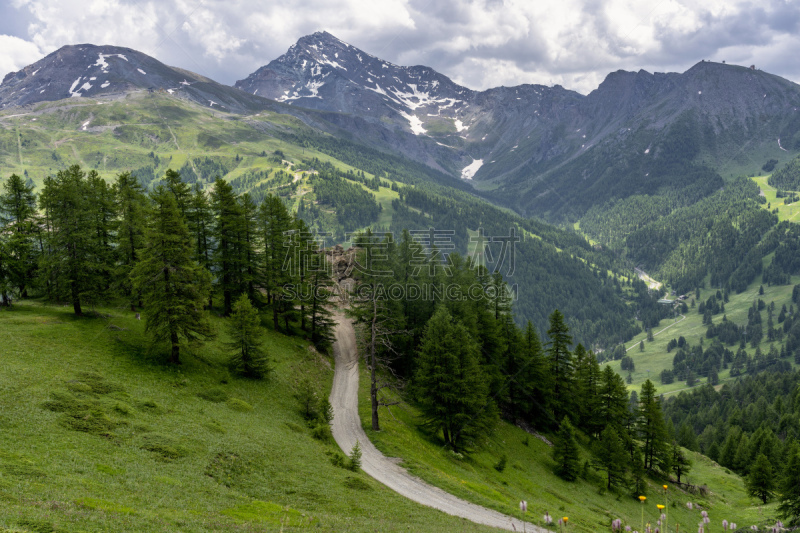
(501, 464)
(355, 457)
(213, 395)
(239, 405)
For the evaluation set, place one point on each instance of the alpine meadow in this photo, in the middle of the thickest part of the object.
(337, 293)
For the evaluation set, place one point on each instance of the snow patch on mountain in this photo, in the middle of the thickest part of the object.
(469, 171)
(414, 122)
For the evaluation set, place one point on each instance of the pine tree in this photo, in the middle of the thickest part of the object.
(200, 221)
(565, 452)
(248, 357)
(77, 262)
(680, 463)
(586, 392)
(535, 386)
(17, 218)
(611, 456)
(131, 208)
(179, 189)
(789, 507)
(761, 481)
(274, 221)
(650, 427)
(227, 257)
(174, 287)
(451, 386)
(561, 366)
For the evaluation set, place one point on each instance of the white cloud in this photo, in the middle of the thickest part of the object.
(480, 43)
(16, 53)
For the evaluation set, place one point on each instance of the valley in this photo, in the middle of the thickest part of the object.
(614, 286)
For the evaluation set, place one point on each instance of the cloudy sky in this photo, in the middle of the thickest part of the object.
(481, 44)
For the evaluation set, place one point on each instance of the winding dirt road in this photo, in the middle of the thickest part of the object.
(347, 429)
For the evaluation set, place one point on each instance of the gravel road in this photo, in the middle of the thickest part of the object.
(347, 429)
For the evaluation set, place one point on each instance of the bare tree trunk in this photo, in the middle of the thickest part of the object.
(373, 390)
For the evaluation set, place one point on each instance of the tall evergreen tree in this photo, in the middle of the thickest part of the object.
(227, 234)
(535, 385)
(680, 463)
(179, 189)
(761, 481)
(789, 507)
(565, 452)
(248, 357)
(651, 429)
(17, 222)
(200, 221)
(561, 365)
(451, 386)
(131, 209)
(77, 262)
(174, 287)
(274, 221)
(611, 456)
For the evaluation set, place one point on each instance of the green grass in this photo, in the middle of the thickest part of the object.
(529, 476)
(789, 212)
(655, 358)
(97, 434)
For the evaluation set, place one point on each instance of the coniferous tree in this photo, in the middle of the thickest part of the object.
(77, 262)
(248, 357)
(227, 257)
(535, 385)
(451, 386)
(174, 287)
(565, 452)
(561, 365)
(651, 429)
(179, 189)
(611, 456)
(274, 221)
(200, 221)
(131, 208)
(17, 223)
(680, 463)
(789, 507)
(761, 480)
(587, 377)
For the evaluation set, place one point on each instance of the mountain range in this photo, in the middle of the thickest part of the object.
(544, 151)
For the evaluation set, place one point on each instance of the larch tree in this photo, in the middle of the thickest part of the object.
(450, 383)
(561, 364)
(789, 507)
(131, 209)
(17, 220)
(565, 452)
(174, 287)
(761, 480)
(248, 357)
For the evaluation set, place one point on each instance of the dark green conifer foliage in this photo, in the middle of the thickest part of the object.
(17, 217)
(761, 481)
(450, 384)
(77, 261)
(650, 428)
(248, 357)
(131, 209)
(565, 452)
(612, 457)
(174, 287)
(274, 221)
(561, 364)
(789, 507)
(227, 257)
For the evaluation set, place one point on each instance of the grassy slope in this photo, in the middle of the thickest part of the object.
(789, 212)
(267, 468)
(529, 476)
(655, 358)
